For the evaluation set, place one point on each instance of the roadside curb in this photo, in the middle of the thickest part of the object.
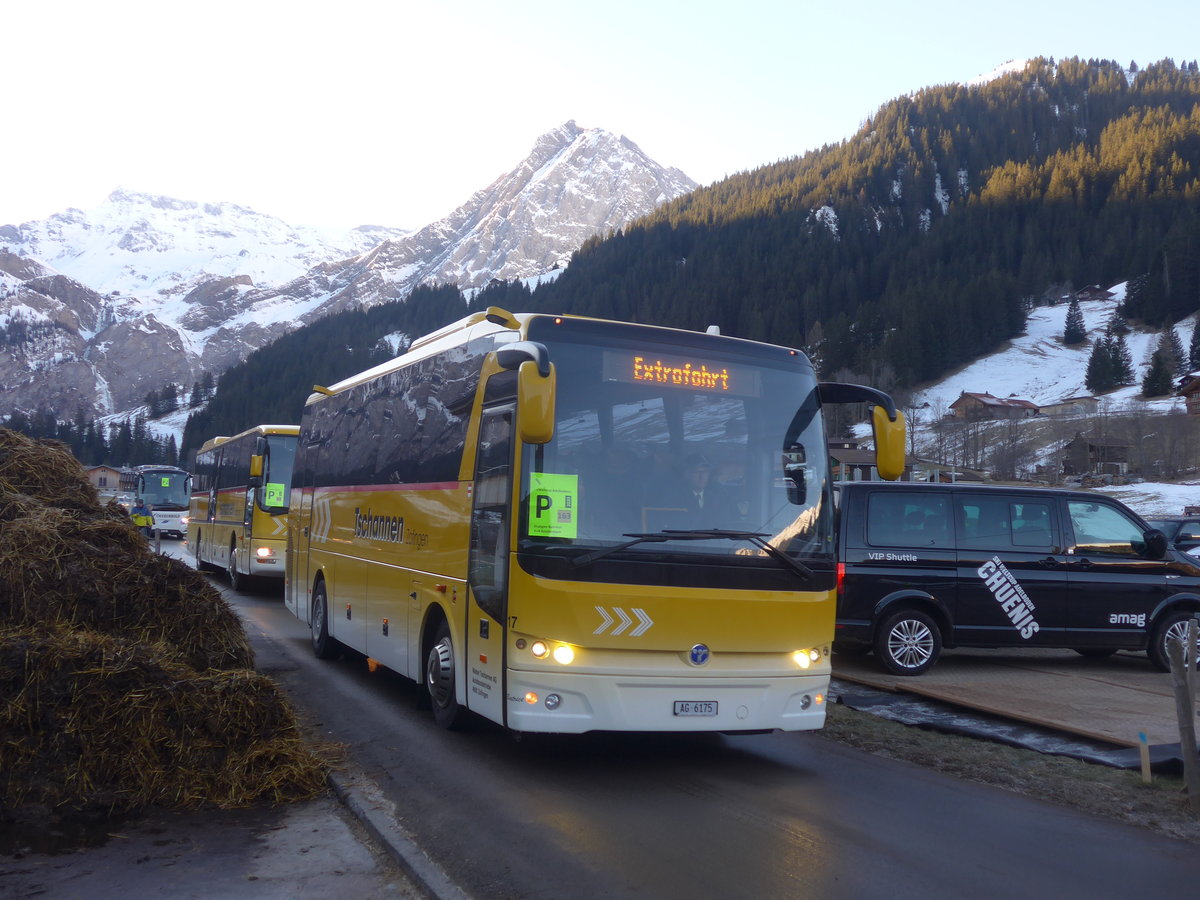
(367, 804)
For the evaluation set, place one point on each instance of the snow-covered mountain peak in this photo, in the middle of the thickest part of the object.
(145, 289)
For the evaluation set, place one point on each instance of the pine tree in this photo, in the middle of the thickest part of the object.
(1075, 331)
(1171, 349)
(1122, 361)
(1099, 377)
(1194, 348)
(1157, 381)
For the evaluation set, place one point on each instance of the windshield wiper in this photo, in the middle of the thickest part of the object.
(667, 534)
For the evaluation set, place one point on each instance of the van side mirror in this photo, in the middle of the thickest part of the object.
(1156, 544)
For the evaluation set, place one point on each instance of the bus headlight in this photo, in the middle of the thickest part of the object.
(539, 649)
(264, 552)
(564, 655)
(805, 658)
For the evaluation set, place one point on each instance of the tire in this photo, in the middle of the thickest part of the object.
(236, 580)
(201, 565)
(1169, 628)
(908, 642)
(324, 645)
(1095, 652)
(441, 681)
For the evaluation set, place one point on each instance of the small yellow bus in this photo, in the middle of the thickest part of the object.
(237, 519)
(510, 514)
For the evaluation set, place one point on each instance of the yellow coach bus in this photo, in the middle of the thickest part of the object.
(508, 513)
(237, 519)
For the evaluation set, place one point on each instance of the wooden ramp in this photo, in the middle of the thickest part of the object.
(1110, 699)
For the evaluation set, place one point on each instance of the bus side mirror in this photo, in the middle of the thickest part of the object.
(535, 402)
(890, 435)
(256, 470)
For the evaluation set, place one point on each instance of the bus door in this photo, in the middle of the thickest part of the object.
(208, 539)
(487, 567)
(299, 567)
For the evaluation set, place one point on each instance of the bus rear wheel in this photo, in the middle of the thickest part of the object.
(325, 645)
(440, 680)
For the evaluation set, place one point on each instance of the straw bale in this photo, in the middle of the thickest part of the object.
(94, 722)
(125, 678)
(61, 566)
(46, 470)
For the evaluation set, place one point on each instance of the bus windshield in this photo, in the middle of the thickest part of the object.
(277, 474)
(672, 441)
(165, 488)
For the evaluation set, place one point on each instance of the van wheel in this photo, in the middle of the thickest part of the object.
(1171, 628)
(324, 645)
(908, 642)
(440, 680)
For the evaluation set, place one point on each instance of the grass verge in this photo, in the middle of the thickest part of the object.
(1161, 806)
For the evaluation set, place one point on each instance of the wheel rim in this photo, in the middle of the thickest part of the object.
(439, 672)
(318, 618)
(910, 643)
(1175, 635)
(233, 572)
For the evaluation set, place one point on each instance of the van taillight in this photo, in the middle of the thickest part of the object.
(841, 579)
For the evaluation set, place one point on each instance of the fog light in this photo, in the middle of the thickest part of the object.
(539, 649)
(552, 701)
(531, 697)
(805, 702)
(564, 655)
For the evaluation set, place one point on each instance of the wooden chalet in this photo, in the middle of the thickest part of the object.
(983, 406)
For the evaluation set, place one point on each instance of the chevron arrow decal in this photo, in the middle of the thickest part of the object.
(622, 620)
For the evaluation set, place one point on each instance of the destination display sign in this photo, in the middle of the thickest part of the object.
(685, 373)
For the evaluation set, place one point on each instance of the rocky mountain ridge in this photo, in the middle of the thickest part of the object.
(98, 308)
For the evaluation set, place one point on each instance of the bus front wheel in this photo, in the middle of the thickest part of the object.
(440, 680)
(237, 581)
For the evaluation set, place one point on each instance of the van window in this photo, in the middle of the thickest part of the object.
(1104, 530)
(898, 519)
(998, 523)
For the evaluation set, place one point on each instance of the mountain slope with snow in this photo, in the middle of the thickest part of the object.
(100, 307)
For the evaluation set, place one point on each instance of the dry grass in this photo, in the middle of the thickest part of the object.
(1161, 806)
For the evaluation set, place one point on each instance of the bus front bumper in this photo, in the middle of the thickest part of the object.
(567, 703)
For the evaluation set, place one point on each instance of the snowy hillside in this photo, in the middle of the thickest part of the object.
(1037, 367)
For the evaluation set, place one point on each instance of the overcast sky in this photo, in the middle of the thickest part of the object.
(393, 113)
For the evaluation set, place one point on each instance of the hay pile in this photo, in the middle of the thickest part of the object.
(125, 678)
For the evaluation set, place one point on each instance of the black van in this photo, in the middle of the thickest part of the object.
(925, 566)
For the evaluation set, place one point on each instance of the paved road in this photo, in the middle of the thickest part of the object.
(652, 816)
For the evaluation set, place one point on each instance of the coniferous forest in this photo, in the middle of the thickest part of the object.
(913, 247)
